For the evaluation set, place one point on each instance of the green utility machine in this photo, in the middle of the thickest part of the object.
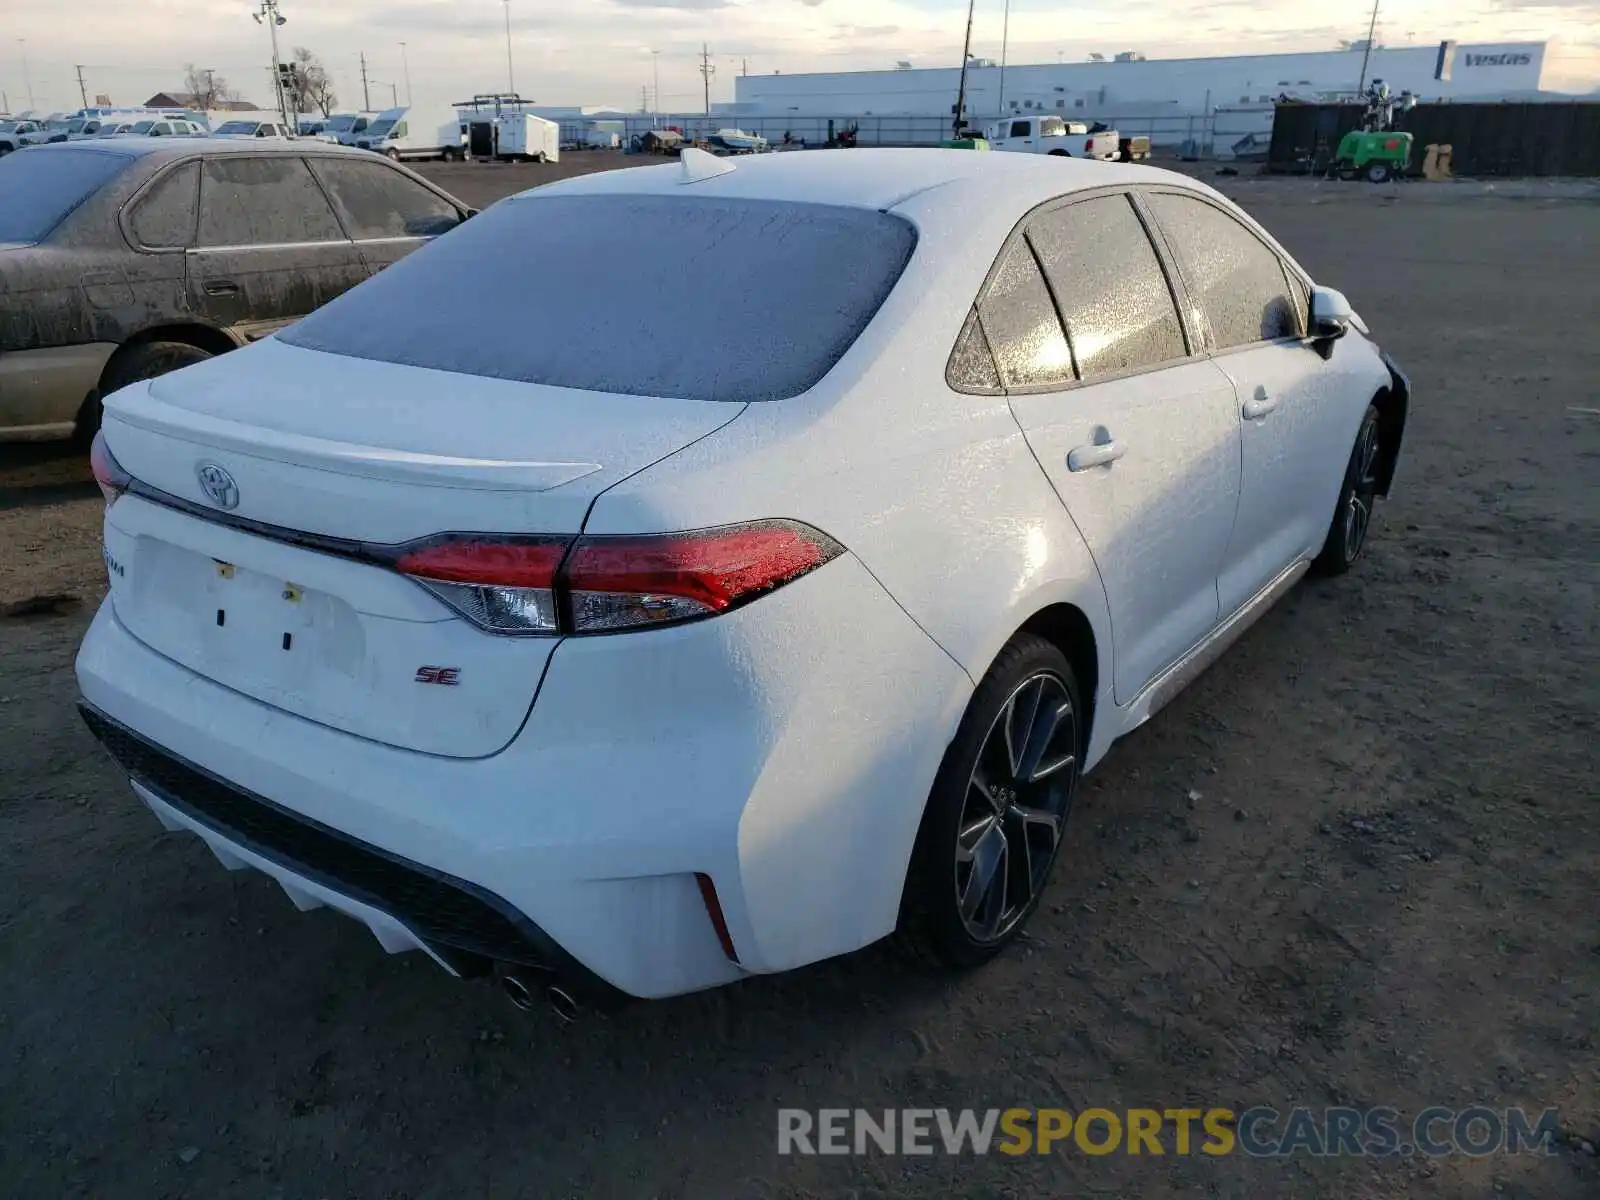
(1378, 152)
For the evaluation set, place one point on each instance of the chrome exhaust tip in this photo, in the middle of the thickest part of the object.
(562, 1004)
(518, 992)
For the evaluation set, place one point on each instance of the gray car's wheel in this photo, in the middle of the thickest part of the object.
(999, 804)
(1352, 516)
(130, 365)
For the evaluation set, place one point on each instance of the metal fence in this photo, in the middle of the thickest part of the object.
(1542, 138)
(1193, 133)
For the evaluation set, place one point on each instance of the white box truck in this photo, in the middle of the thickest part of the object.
(523, 137)
(416, 133)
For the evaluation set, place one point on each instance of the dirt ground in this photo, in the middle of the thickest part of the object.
(1356, 863)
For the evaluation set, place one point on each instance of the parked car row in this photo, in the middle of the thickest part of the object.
(124, 258)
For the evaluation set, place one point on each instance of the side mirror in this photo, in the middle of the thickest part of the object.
(1331, 314)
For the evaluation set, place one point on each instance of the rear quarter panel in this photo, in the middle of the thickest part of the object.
(936, 492)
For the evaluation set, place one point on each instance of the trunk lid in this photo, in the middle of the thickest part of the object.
(356, 454)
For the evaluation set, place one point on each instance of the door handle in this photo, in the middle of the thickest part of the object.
(1096, 454)
(1259, 405)
(221, 287)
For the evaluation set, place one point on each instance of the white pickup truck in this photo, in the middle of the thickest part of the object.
(1052, 135)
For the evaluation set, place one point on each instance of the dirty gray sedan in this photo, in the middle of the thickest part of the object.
(123, 260)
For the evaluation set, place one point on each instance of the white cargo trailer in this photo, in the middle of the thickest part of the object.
(523, 137)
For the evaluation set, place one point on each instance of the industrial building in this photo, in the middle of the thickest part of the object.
(1172, 100)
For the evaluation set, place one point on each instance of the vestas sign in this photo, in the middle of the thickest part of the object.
(1498, 60)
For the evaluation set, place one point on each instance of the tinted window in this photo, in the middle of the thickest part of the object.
(698, 298)
(38, 188)
(375, 201)
(1019, 129)
(265, 201)
(1109, 286)
(971, 365)
(164, 216)
(1021, 323)
(1231, 273)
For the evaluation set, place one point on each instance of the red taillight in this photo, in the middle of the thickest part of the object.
(708, 896)
(546, 585)
(623, 582)
(108, 472)
(500, 585)
(1088, 145)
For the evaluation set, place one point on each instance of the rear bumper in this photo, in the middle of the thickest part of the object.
(785, 750)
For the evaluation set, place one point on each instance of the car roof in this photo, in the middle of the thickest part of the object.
(879, 178)
(135, 148)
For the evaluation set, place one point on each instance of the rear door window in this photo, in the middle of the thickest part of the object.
(1024, 332)
(265, 200)
(1238, 279)
(164, 217)
(40, 188)
(686, 297)
(377, 201)
(1109, 286)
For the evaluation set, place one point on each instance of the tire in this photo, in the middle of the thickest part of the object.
(1060, 154)
(392, 154)
(145, 361)
(451, 155)
(1379, 172)
(972, 829)
(1352, 515)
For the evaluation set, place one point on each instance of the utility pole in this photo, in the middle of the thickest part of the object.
(644, 97)
(27, 77)
(744, 66)
(1005, 43)
(707, 70)
(511, 78)
(655, 67)
(366, 95)
(83, 91)
(966, 54)
(405, 65)
(269, 16)
(1366, 55)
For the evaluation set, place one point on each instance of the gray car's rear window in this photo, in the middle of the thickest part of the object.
(684, 297)
(39, 187)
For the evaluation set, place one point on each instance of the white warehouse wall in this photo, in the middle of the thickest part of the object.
(1486, 70)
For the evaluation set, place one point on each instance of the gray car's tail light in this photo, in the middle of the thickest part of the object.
(534, 585)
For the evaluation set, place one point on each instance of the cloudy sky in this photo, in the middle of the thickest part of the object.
(598, 51)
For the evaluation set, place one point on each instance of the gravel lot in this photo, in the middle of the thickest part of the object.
(1356, 863)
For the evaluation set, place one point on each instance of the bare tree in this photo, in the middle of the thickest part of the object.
(312, 83)
(206, 86)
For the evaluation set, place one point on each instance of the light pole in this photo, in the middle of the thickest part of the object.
(1366, 55)
(269, 16)
(394, 92)
(511, 79)
(966, 55)
(1005, 42)
(27, 78)
(405, 65)
(655, 68)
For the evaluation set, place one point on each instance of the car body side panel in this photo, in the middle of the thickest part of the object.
(41, 391)
(936, 492)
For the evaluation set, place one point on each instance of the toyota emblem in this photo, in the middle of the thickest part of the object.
(218, 485)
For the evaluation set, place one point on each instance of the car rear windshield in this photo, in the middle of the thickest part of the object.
(691, 298)
(39, 187)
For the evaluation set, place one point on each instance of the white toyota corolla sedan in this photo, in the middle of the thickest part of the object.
(696, 571)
